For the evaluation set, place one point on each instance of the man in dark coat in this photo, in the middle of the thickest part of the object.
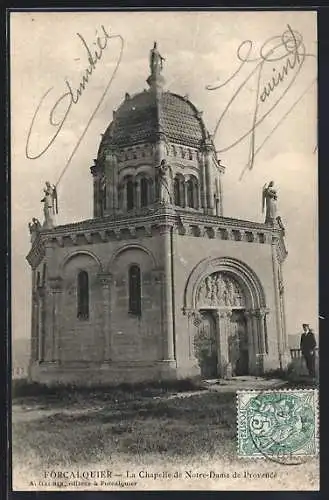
(307, 346)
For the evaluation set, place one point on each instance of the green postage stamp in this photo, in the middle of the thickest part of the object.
(277, 423)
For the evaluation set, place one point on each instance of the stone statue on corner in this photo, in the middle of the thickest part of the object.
(164, 183)
(156, 61)
(269, 199)
(34, 228)
(50, 205)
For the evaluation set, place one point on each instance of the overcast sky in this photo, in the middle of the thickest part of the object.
(200, 50)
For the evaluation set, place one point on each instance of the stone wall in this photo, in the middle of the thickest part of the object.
(131, 337)
(188, 250)
(112, 338)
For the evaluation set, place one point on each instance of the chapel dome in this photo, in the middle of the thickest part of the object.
(143, 116)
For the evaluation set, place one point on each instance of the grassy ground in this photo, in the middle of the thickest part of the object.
(70, 426)
(98, 425)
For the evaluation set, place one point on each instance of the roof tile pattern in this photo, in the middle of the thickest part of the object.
(141, 117)
(179, 121)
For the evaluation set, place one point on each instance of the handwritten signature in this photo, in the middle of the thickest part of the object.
(64, 103)
(288, 48)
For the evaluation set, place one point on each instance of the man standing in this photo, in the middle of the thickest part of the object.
(307, 345)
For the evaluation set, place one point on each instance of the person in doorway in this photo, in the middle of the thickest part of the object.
(307, 346)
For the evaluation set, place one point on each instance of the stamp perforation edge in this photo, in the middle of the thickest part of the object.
(254, 392)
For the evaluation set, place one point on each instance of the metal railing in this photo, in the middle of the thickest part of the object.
(297, 353)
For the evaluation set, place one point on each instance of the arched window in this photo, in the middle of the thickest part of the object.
(135, 290)
(83, 295)
(190, 197)
(177, 196)
(130, 194)
(144, 192)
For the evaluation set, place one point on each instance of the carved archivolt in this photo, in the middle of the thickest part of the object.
(219, 290)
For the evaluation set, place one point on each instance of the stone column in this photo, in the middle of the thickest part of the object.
(203, 182)
(165, 232)
(185, 195)
(138, 193)
(199, 195)
(182, 192)
(208, 179)
(223, 330)
(106, 281)
(259, 316)
(253, 343)
(55, 286)
(261, 313)
(195, 194)
(94, 172)
(115, 182)
(191, 333)
(124, 197)
(95, 197)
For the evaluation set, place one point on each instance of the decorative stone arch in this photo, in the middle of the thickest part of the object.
(127, 247)
(144, 170)
(250, 313)
(243, 274)
(81, 252)
(126, 172)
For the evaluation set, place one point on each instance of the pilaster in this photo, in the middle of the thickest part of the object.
(106, 282)
(168, 320)
(41, 326)
(275, 243)
(55, 288)
(208, 177)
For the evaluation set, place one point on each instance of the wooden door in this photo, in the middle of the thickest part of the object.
(206, 345)
(238, 343)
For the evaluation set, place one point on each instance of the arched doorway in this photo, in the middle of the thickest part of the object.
(226, 297)
(222, 331)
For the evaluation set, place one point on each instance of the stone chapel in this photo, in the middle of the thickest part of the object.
(159, 284)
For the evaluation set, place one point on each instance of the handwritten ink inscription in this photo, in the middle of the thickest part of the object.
(275, 68)
(60, 107)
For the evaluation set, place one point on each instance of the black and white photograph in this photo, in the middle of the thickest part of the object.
(164, 250)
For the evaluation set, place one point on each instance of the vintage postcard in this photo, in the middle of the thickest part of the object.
(164, 250)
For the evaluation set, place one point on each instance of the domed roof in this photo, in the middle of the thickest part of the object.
(140, 118)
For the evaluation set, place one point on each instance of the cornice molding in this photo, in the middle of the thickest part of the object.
(150, 223)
